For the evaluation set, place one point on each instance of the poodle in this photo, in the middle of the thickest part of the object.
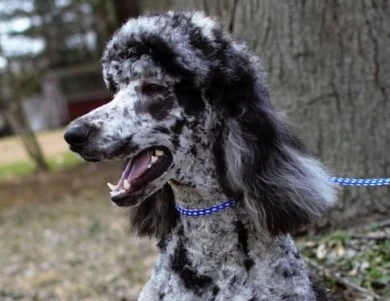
(211, 169)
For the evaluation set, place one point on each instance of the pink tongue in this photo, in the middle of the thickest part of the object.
(140, 165)
(136, 167)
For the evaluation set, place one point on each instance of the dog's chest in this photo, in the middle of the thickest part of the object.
(230, 266)
(174, 279)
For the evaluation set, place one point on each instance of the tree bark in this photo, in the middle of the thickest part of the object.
(125, 9)
(327, 63)
(20, 126)
(15, 117)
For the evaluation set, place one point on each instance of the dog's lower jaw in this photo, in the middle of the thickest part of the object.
(222, 257)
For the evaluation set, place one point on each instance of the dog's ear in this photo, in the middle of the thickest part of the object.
(155, 216)
(281, 185)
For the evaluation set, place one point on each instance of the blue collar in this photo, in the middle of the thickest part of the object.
(206, 211)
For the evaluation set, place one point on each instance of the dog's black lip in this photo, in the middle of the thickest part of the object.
(76, 148)
(91, 159)
(127, 200)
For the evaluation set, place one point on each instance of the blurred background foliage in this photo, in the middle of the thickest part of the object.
(327, 64)
(37, 36)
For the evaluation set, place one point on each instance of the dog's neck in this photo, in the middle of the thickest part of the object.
(200, 197)
(197, 185)
(217, 223)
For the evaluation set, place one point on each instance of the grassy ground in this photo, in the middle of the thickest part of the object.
(51, 141)
(75, 249)
(22, 168)
(60, 238)
(354, 263)
(14, 161)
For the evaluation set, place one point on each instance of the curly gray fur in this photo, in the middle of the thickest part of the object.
(210, 108)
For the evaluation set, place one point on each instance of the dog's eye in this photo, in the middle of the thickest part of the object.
(152, 88)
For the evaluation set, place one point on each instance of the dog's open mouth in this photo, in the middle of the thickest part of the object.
(139, 171)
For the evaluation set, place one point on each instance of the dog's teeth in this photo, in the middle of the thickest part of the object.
(122, 190)
(114, 193)
(126, 184)
(159, 153)
(150, 165)
(153, 159)
(111, 186)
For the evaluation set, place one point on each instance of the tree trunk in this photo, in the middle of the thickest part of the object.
(19, 124)
(13, 113)
(125, 9)
(327, 64)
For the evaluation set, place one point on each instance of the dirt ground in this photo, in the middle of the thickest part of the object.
(62, 239)
(52, 143)
(73, 249)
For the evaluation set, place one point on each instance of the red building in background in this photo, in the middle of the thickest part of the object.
(79, 105)
(72, 92)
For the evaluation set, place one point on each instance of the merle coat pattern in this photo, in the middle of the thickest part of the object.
(182, 82)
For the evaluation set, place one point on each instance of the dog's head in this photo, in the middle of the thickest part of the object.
(157, 71)
(182, 85)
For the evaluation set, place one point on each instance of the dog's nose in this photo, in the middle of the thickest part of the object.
(77, 135)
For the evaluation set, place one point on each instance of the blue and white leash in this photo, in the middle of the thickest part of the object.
(360, 182)
(232, 203)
